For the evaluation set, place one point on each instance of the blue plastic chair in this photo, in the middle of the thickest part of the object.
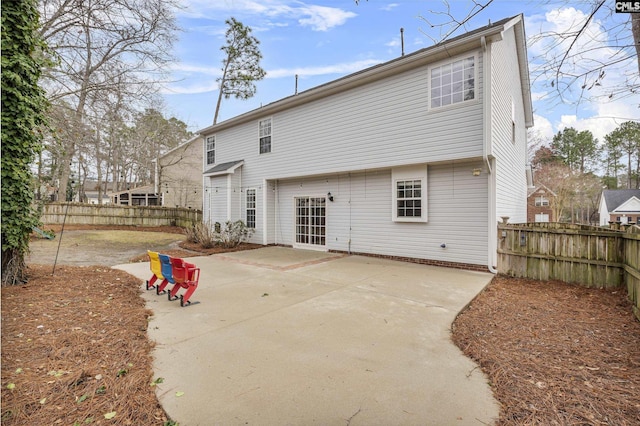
(167, 273)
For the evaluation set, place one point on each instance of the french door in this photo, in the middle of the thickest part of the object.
(311, 221)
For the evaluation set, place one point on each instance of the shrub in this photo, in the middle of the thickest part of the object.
(234, 233)
(202, 234)
(207, 236)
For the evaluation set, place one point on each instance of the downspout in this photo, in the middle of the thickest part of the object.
(492, 244)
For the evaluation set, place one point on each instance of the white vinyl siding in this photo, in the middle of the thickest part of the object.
(506, 109)
(384, 124)
(359, 218)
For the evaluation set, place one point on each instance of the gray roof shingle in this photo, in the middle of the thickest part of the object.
(616, 197)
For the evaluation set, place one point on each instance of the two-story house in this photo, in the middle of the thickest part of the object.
(178, 175)
(414, 158)
(539, 204)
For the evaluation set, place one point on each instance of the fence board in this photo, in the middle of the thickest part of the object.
(113, 214)
(590, 256)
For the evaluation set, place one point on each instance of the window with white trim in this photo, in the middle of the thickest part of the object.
(265, 136)
(409, 198)
(409, 194)
(542, 201)
(453, 82)
(211, 150)
(251, 208)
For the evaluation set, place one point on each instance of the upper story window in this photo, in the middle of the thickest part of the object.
(265, 136)
(542, 201)
(211, 150)
(453, 82)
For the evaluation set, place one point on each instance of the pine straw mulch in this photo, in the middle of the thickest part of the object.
(555, 353)
(75, 350)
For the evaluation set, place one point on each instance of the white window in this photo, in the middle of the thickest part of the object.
(542, 201)
(251, 208)
(265, 136)
(409, 194)
(542, 217)
(453, 82)
(211, 150)
(409, 198)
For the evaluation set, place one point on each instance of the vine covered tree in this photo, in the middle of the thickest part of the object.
(241, 65)
(23, 107)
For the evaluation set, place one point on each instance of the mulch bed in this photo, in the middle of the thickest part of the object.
(555, 353)
(75, 350)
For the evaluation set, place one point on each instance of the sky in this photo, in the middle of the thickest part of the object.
(321, 41)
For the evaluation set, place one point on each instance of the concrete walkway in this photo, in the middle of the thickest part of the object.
(289, 337)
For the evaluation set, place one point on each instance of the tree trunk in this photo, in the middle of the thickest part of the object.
(635, 30)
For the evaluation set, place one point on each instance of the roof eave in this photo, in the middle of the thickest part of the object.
(377, 72)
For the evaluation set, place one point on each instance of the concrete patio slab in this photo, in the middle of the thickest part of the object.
(283, 336)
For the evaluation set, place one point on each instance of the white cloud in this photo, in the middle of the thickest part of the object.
(212, 73)
(319, 18)
(389, 6)
(345, 68)
(542, 128)
(607, 118)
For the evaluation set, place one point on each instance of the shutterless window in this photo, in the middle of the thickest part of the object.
(211, 150)
(409, 198)
(265, 136)
(542, 201)
(251, 208)
(453, 82)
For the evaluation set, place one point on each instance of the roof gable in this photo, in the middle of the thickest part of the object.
(614, 198)
(632, 205)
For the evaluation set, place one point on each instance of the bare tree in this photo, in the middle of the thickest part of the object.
(577, 60)
(103, 48)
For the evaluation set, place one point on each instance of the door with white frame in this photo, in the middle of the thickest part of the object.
(310, 223)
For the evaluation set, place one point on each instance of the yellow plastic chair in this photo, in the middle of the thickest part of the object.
(156, 268)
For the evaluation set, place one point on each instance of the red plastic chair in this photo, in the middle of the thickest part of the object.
(156, 268)
(186, 275)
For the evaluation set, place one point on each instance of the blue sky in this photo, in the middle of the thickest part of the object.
(325, 40)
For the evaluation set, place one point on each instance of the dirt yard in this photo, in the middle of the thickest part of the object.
(75, 349)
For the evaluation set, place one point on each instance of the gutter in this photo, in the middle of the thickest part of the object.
(492, 244)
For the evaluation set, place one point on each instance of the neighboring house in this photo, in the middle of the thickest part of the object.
(539, 205)
(416, 158)
(92, 197)
(141, 196)
(619, 206)
(179, 175)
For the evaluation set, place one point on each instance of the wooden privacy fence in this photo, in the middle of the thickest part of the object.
(114, 214)
(586, 255)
